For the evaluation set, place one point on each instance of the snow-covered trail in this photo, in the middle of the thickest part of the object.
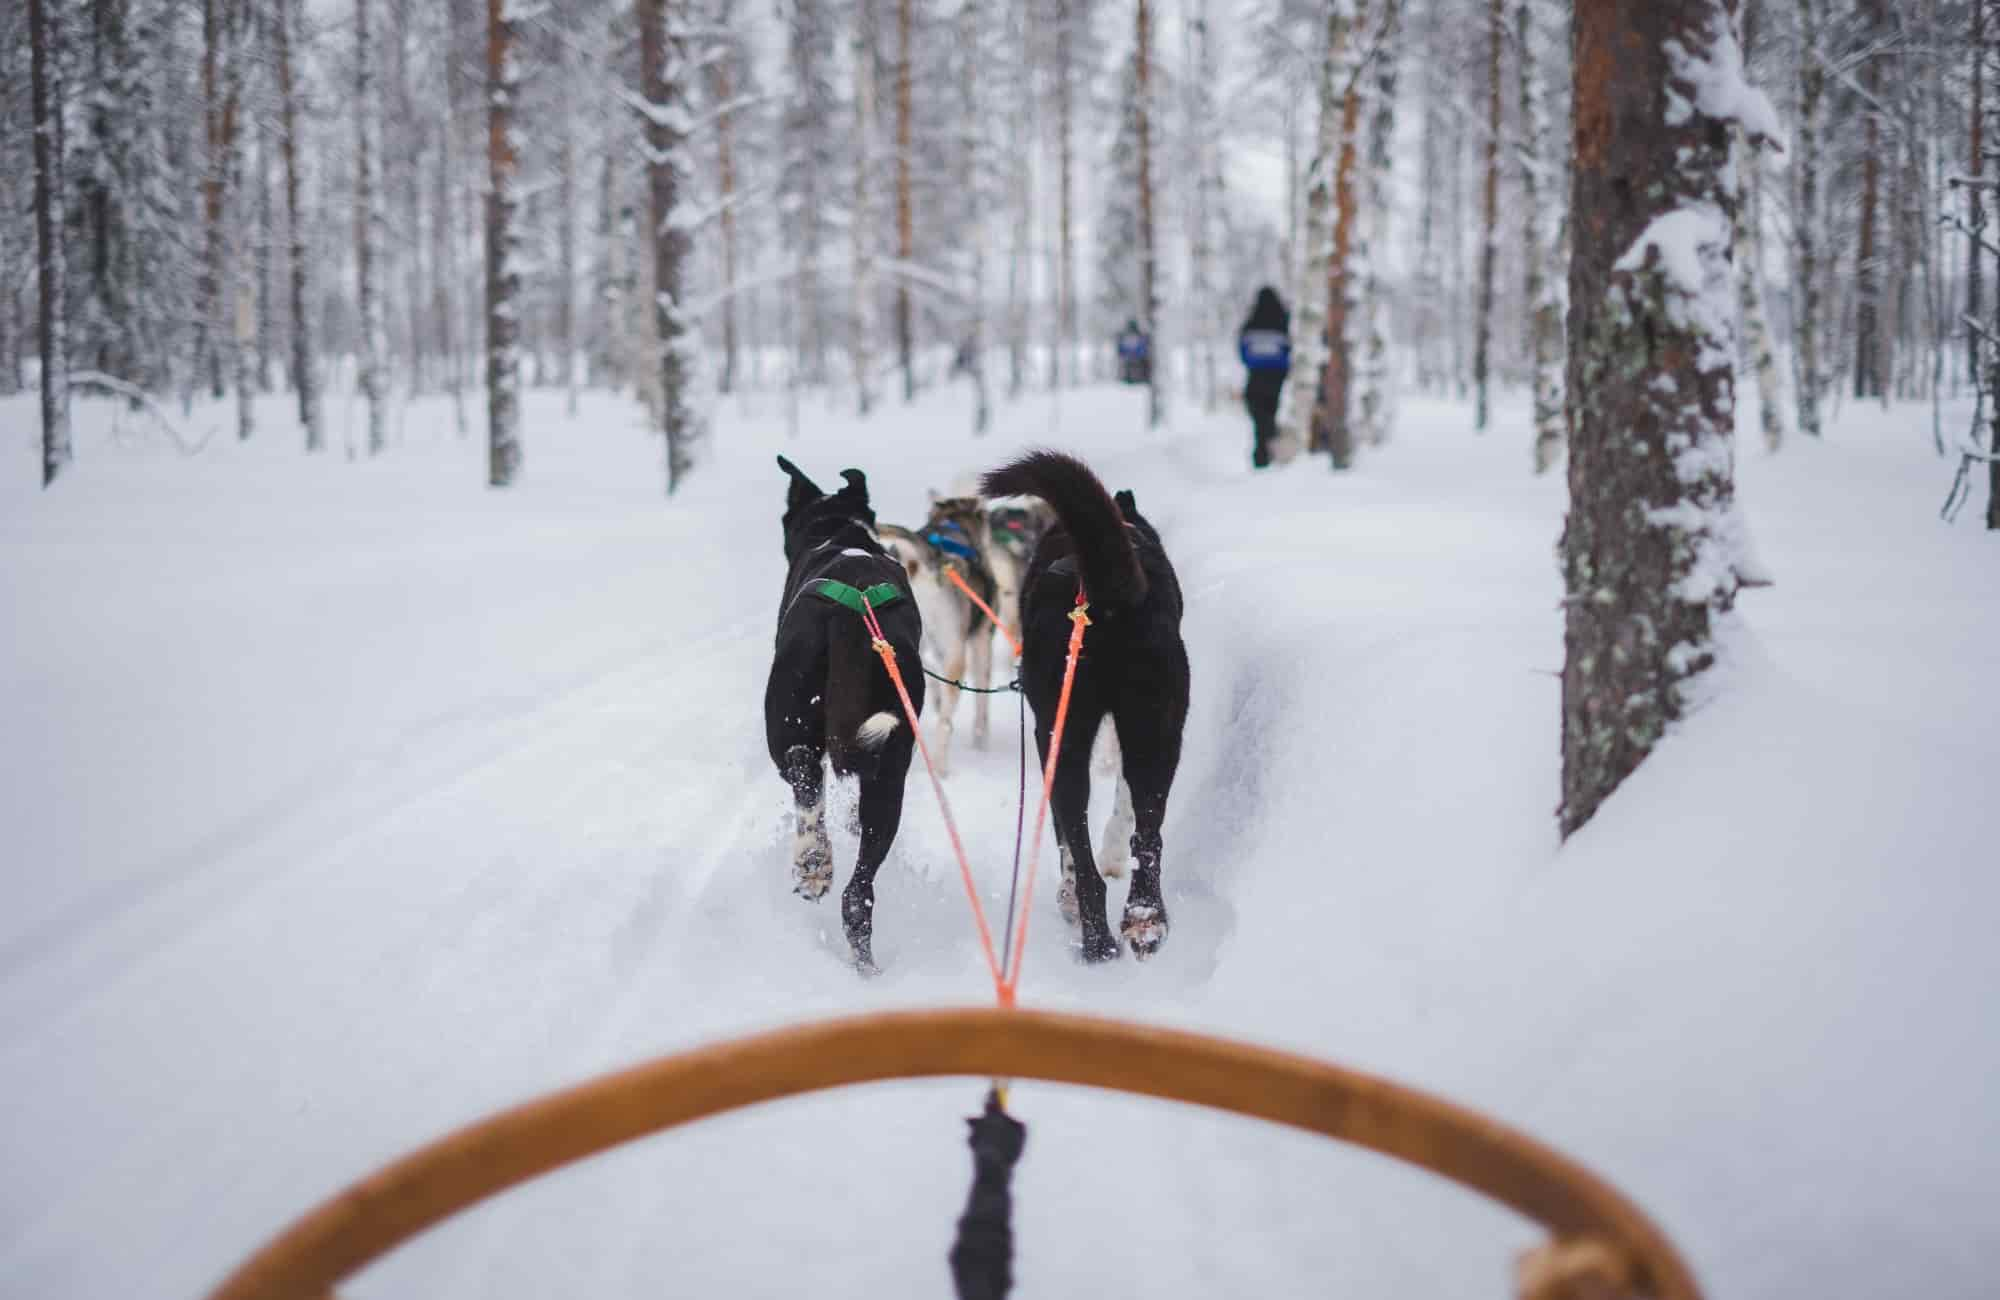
(355, 802)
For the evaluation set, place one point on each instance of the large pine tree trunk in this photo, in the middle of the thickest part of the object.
(1544, 305)
(1332, 428)
(1650, 543)
(663, 69)
(503, 276)
(860, 221)
(305, 379)
(45, 59)
(905, 225)
(1299, 398)
(1489, 248)
(368, 232)
(1149, 299)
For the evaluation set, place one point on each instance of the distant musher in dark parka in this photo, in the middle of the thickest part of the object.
(1266, 348)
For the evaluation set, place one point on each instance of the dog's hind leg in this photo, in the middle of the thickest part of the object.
(812, 851)
(1069, 806)
(1151, 753)
(881, 814)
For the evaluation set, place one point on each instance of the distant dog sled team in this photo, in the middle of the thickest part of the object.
(1008, 562)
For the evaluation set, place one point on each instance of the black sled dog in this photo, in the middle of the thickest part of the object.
(1133, 670)
(829, 695)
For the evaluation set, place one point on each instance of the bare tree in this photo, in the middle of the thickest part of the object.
(905, 227)
(860, 225)
(368, 231)
(664, 69)
(305, 363)
(1373, 382)
(503, 275)
(1869, 380)
(45, 61)
(1149, 298)
(1749, 254)
(1809, 382)
(1062, 357)
(1489, 248)
(1540, 214)
(722, 86)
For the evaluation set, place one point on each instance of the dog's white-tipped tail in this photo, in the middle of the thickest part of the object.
(874, 733)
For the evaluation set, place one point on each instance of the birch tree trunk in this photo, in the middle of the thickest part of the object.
(305, 376)
(1651, 545)
(1375, 388)
(368, 225)
(1490, 223)
(1309, 351)
(503, 276)
(1749, 253)
(663, 67)
(1544, 305)
(1149, 299)
(45, 61)
(860, 226)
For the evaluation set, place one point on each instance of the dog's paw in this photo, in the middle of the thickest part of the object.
(1115, 859)
(1145, 928)
(1100, 947)
(812, 868)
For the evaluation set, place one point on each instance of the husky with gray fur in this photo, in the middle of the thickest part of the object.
(958, 637)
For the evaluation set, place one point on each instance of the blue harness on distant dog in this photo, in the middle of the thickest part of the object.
(952, 545)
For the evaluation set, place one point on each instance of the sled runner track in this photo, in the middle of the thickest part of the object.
(1600, 1237)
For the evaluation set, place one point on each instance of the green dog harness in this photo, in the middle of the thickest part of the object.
(857, 598)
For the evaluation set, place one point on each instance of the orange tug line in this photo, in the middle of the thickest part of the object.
(984, 608)
(1001, 990)
(1007, 984)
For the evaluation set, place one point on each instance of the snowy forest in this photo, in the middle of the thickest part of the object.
(861, 198)
(1557, 445)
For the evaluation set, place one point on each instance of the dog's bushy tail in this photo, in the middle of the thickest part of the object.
(1104, 554)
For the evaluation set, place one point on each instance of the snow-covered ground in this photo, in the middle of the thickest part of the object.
(341, 804)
